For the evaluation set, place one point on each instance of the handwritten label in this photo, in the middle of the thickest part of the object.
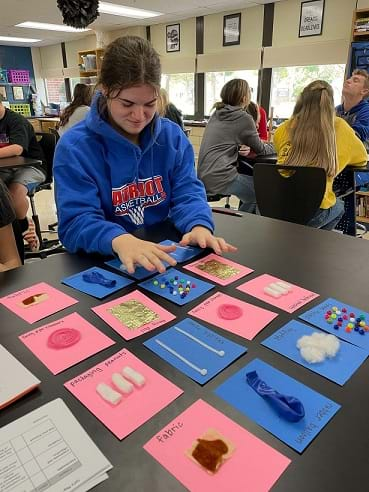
(169, 432)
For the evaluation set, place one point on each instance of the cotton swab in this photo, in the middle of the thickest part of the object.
(200, 342)
(203, 372)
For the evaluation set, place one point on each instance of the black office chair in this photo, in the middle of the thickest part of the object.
(293, 198)
(48, 143)
(218, 197)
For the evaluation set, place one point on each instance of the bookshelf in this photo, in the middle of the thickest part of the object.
(89, 62)
(360, 25)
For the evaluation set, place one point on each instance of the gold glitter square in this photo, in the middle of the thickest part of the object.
(133, 314)
(218, 269)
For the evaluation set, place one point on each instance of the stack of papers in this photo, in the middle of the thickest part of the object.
(15, 379)
(47, 449)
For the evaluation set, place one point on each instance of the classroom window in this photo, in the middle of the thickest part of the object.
(288, 82)
(181, 91)
(55, 89)
(214, 82)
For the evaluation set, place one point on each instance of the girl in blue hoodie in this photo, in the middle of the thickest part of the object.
(124, 167)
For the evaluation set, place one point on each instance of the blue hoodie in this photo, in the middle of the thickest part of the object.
(106, 186)
(358, 118)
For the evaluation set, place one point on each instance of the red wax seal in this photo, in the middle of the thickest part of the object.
(63, 338)
(229, 311)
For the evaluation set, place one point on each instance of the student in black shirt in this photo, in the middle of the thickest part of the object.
(17, 137)
(9, 257)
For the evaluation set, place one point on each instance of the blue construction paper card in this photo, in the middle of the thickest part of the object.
(140, 272)
(100, 291)
(206, 351)
(182, 253)
(315, 316)
(175, 279)
(338, 369)
(298, 435)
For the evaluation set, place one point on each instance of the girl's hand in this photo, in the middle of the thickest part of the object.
(133, 251)
(201, 236)
(244, 150)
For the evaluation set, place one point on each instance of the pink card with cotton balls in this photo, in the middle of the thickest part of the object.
(37, 302)
(233, 315)
(280, 293)
(246, 463)
(64, 343)
(123, 399)
(133, 315)
(218, 269)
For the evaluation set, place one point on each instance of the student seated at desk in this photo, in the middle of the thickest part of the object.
(166, 109)
(260, 118)
(9, 257)
(315, 136)
(124, 167)
(17, 137)
(77, 109)
(229, 134)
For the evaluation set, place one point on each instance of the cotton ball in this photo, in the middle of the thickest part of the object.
(331, 345)
(311, 354)
(317, 347)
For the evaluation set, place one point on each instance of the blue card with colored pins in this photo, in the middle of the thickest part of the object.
(196, 351)
(338, 369)
(182, 253)
(173, 284)
(96, 289)
(319, 410)
(358, 335)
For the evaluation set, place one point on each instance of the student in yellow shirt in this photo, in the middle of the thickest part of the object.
(315, 136)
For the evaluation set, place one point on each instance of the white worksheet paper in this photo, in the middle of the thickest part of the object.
(47, 449)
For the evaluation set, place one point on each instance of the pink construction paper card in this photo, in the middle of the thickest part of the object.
(238, 317)
(133, 314)
(65, 342)
(253, 465)
(296, 297)
(37, 302)
(224, 271)
(133, 409)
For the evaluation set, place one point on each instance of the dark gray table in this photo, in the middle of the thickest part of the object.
(325, 262)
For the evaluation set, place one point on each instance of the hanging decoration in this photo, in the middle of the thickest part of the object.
(78, 13)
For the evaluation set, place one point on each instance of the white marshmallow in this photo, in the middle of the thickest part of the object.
(108, 394)
(133, 376)
(122, 384)
(284, 285)
(278, 288)
(272, 292)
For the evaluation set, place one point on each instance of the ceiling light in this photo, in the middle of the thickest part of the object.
(113, 9)
(19, 40)
(49, 27)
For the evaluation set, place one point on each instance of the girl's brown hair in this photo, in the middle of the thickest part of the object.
(235, 92)
(82, 95)
(311, 129)
(129, 61)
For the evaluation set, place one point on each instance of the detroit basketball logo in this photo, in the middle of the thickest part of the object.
(131, 199)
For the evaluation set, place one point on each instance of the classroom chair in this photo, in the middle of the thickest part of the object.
(48, 143)
(295, 197)
(218, 197)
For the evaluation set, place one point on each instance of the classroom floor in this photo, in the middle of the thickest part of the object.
(46, 210)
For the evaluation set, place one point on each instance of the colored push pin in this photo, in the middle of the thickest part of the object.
(329, 312)
(352, 319)
(162, 286)
(336, 327)
(155, 282)
(366, 328)
(344, 310)
(174, 292)
(362, 316)
(334, 309)
(330, 321)
(334, 316)
(356, 328)
(361, 331)
(348, 329)
(338, 313)
(345, 317)
(352, 315)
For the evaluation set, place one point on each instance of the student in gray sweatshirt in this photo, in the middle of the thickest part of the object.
(230, 133)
